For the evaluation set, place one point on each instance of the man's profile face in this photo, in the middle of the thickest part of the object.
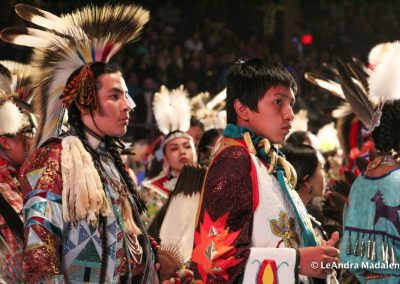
(275, 114)
(112, 116)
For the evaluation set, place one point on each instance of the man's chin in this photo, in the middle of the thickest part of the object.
(119, 134)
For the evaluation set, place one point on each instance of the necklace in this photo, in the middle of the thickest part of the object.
(382, 160)
(134, 248)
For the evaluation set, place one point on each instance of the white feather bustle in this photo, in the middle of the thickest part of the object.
(11, 119)
(83, 196)
(384, 82)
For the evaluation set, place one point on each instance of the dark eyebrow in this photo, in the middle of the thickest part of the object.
(286, 96)
(118, 90)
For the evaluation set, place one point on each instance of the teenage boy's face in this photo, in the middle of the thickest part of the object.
(112, 116)
(275, 114)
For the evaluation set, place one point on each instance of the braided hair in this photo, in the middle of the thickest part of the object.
(75, 121)
(387, 135)
(111, 146)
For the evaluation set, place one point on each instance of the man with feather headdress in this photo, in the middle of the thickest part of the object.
(16, 129)
(81, 206)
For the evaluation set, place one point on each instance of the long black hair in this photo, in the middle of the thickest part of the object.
(303, 158)
(75, 121)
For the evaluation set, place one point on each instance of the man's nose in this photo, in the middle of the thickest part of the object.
(289, 114)
(126, 105)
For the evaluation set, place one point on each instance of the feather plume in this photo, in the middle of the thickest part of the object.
(163, 111)
(210, 111)
(342, 111)
(23, 85)
(331, 68)
(377, 53)
(15, 89)
(37, 16)
(358, 71)
(172, 110)
(218, 99)
(384, 81)
(7, 81)
(26, 36)
(181, 104)
(355, 95)
(91, 34)
(331, 86)
(11, 119)
(182, 206)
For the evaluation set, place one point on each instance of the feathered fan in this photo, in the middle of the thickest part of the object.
(178, 227)
(355, 94)
(91, 34)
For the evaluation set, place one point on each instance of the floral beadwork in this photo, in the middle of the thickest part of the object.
(285, 229)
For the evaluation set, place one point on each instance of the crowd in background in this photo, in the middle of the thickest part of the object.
(195, 43)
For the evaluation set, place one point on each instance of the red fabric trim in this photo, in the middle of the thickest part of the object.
(155, 144)
(159, 183)
(353, 135)
(254, 180)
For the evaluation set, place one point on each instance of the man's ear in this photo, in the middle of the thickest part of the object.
(242, 111)
(81, 109)
(306, 183)
(5, 143)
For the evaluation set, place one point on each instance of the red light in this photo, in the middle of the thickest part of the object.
(307, 39)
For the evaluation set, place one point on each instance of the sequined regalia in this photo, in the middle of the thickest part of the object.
(371, 233)
(73, 251)
(250, 221)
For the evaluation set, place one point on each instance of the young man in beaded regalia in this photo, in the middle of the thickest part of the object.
(81, 207)
(16, 132)
(252, 226)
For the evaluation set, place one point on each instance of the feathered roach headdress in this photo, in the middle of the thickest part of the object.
(15, 93)
(172, 112)
(67, 43)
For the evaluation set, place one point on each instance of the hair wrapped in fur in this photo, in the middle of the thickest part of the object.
(66, 43)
